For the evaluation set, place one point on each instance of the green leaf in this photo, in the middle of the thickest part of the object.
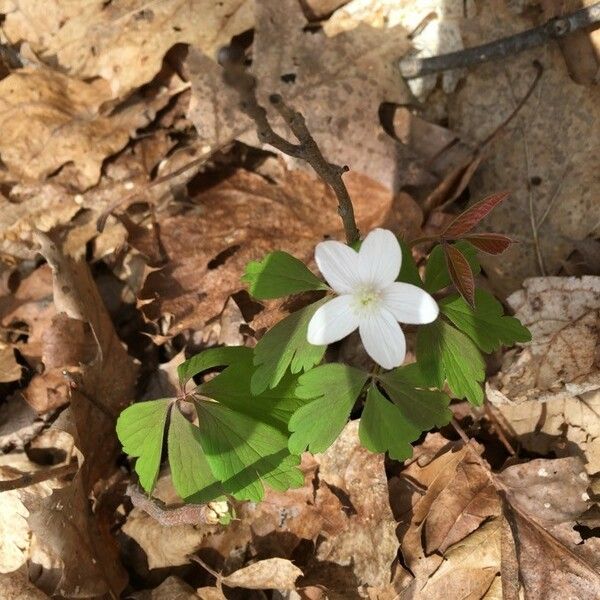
(210, 359)
(279, 274)
(486, 325)
(423, 409)
(445, 353)
(283, 346)
(244, 453)
(383, 428)
(232, 388)
(409, 273)
(436, 271)
(140, 428)
(192, 477)
(333, 389)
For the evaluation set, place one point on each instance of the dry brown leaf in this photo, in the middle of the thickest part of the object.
(79, 536)
(16, 585)
(164, 546)
(124, 43)
(554, 491)
(546, 158)
(14, 531)
(108, 379)
(10, 370)
(49, 119)
(241, 219)
(19, 423)
(440, 499)
(337, 83)
(434, 27)
(369, 543)
(269, 574)
(469, 569)
(561, 360)
(172, 588)
(547, 393)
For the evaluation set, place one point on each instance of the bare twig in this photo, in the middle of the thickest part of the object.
(38, 476)
(555, 28)
(236, 76)
(188, 514)
(498, 427)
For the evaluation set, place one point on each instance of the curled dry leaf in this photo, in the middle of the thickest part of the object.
(439, 503)
(241, 219)
(492, 519)
(269, 574)
(65, 520)
(547, 158)
(336, 83)
(65, 116)
(124, 43)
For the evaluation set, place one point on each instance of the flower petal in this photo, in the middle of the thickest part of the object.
(333, 321)
(339, 265)
(409, 303)
(383, 339)
(379, 258)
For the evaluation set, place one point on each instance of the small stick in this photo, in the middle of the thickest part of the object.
(38, 476)
(558, 27)
(498, 427)
(461, 432)
(307, 149)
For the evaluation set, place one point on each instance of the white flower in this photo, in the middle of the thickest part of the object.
(369, 297)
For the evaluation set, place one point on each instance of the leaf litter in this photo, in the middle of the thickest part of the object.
(128, 164)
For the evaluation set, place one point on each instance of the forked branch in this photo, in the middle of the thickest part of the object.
(307, 149)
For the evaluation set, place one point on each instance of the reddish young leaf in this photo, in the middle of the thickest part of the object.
(460, 273)
(490, 243)
(470, 217)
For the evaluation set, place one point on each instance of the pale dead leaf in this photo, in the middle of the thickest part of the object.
(554, 491)
(164, 546)
(561, 359)
(241, 219)
(16, 585)
(172, 588)
(546, 158)
(124, 42)
(14, 530)
(469, 569)
(435, 25)
(21, 216)
(269, 574)
(49, 119)
(337, 83)
(547, 393)
(10, 370)
(369, 543)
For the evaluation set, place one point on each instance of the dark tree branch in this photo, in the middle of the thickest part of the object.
(555, 28)
(236, 76)
(38, 476)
